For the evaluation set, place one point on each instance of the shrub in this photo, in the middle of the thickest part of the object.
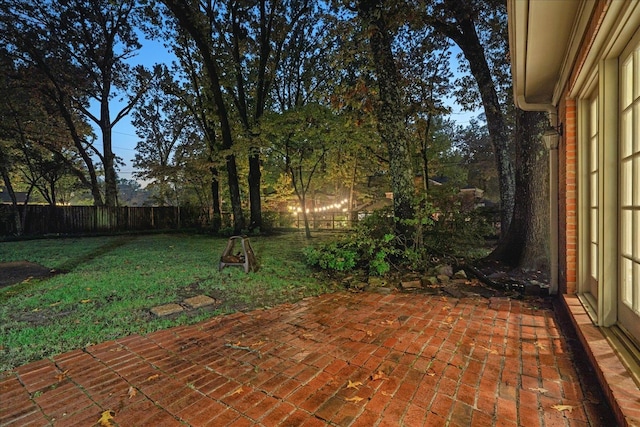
(331, 256)
(442, 228)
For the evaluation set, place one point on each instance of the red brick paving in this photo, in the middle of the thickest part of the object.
(411, 360)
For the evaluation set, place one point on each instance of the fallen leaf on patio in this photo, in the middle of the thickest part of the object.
(387, 322)
(385, 393)
(540, 346)
(369, 333)
(307, 336)
(431, 372)
(563, 408)
(153, 377)
(378, 376)
(355, 399)
(354, 384)
(539, 389)
(490, 350)
(450, 319)
(132, 392)
(239, 390)
(61, 375)
(105, 418)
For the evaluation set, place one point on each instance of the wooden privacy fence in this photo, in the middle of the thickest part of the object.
(42, 219)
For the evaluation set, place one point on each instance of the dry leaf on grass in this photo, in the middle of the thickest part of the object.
(354, 384)
(355, 399)
(563, 408)
(105, 418)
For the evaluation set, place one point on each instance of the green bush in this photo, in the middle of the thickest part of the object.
(442, 227)
(331, 256)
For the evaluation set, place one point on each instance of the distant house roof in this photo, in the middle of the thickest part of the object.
(21, 196)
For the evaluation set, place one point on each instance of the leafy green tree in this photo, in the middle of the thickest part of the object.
(300, 139)
(377, 21)
(82, 48)
(163, 125)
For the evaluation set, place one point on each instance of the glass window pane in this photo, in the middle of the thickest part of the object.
(593, 118)
(626, 135)
(594, 261)
(635, 126)
(626, 84)
(626, 230)
(626, 178)
(636, 287)
(635, 181)
(593, 155)
(627, 281)
(635, 234)
(636, 73)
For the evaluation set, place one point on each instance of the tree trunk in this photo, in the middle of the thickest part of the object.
(110, 178)
(14, 201)
(391, 124)
(255, 200)
(216, 222)
(526, 242)
(190, 20)
(460, 27)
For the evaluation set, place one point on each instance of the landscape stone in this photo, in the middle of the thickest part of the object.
(460, 274)
(443, 278)
(167, 309)
(445, 270)
(411, 284)
(199, 301)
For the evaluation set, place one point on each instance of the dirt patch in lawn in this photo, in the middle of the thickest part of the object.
(19, 271)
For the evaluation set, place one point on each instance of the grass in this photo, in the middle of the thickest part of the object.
(109, 284)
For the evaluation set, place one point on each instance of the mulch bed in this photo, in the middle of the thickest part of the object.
(18, 271)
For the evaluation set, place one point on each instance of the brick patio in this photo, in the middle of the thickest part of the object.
(340, 359)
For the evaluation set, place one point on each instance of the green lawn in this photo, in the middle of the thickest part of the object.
(109, 284)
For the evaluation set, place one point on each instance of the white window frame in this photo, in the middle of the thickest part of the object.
(600, 75)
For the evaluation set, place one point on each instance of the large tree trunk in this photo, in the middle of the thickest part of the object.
(110, 178)
(391, 123)
(255, 200)
(192, 21)
(216, 222)
(464, 34)
(4, 170)
(526, 243)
